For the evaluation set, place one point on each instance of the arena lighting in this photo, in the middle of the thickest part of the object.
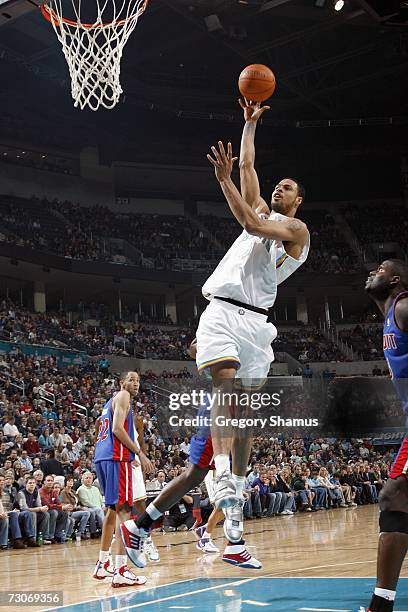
(339, 5)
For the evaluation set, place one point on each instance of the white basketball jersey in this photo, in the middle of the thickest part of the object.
(252, 269)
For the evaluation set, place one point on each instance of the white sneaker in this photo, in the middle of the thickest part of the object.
(151, 550)
(103, 570)
(123, 577)
(234, 521)
(134, 539)
(207, 545)
(225, 494)
(287, 513)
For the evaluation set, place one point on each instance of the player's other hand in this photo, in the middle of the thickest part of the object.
(147, 465)
(252, 110)
(192, 349)
(222, 161)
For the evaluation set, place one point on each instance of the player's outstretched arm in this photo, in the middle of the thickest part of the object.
(249, 179)
(121, 408)
(291, 230)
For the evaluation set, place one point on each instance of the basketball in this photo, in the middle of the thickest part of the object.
(257, 82)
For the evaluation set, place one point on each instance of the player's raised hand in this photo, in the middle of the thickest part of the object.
(252, 110)
(222, 161)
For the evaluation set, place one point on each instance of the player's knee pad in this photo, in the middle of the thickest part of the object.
(392, 521)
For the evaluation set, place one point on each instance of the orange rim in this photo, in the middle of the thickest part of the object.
(50, 15)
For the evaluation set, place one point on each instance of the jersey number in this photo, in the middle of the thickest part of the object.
(103, 431)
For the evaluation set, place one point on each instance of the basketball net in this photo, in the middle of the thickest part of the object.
(94, 50)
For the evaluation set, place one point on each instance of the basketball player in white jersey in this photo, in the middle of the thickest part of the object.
(234, 336)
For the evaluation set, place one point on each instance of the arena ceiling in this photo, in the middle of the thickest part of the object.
(179, 74)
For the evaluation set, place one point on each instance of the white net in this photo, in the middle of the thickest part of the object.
(94, 50)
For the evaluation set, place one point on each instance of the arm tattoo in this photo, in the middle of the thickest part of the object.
(295, 225)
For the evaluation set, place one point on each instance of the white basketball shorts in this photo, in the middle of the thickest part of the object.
(138, 485)
(234, 335)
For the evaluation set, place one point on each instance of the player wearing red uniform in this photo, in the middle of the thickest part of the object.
(388, 287)
(115, 450)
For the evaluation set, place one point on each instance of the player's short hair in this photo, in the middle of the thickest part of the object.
(300, 187)
(400, 267)
(123, 375)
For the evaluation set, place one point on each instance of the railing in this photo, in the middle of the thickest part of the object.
(18, 384)
(81, 409)
(47, 396)
(333, 335)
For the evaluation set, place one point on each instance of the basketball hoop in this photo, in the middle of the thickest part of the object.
(94, 50)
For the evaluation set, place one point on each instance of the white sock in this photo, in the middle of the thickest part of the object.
(239, 482)
(103, 556)
(153, 512)
(385, 594)
(222, 464)
(120, 561)
(206, 535)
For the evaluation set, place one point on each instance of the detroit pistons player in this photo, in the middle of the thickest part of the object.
(115, 450)
(388, 287)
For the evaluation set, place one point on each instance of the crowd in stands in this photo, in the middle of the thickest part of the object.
(47, 447)
(366, 340)
(31, 224)
(307, 344)
(48, 492)
(147, 341)
(373, 223)
(156, 241)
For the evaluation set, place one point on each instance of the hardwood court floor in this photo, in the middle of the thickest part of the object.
(334, 543)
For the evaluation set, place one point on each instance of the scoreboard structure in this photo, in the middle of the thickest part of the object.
(12, 9)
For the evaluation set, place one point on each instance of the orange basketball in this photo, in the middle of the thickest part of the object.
(257, 82)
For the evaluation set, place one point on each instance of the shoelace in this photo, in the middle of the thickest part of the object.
(224, 476)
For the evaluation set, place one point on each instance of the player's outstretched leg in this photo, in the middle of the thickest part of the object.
(225, 494)
(393, 542)
(139, 504)
(135, 533)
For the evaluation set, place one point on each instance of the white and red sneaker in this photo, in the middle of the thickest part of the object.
(123, 577)
(134, 538)
(103, 570)
(237, 554)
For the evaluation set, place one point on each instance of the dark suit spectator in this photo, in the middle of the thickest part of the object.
(20, 524)
(52, 465)
(180, 516)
